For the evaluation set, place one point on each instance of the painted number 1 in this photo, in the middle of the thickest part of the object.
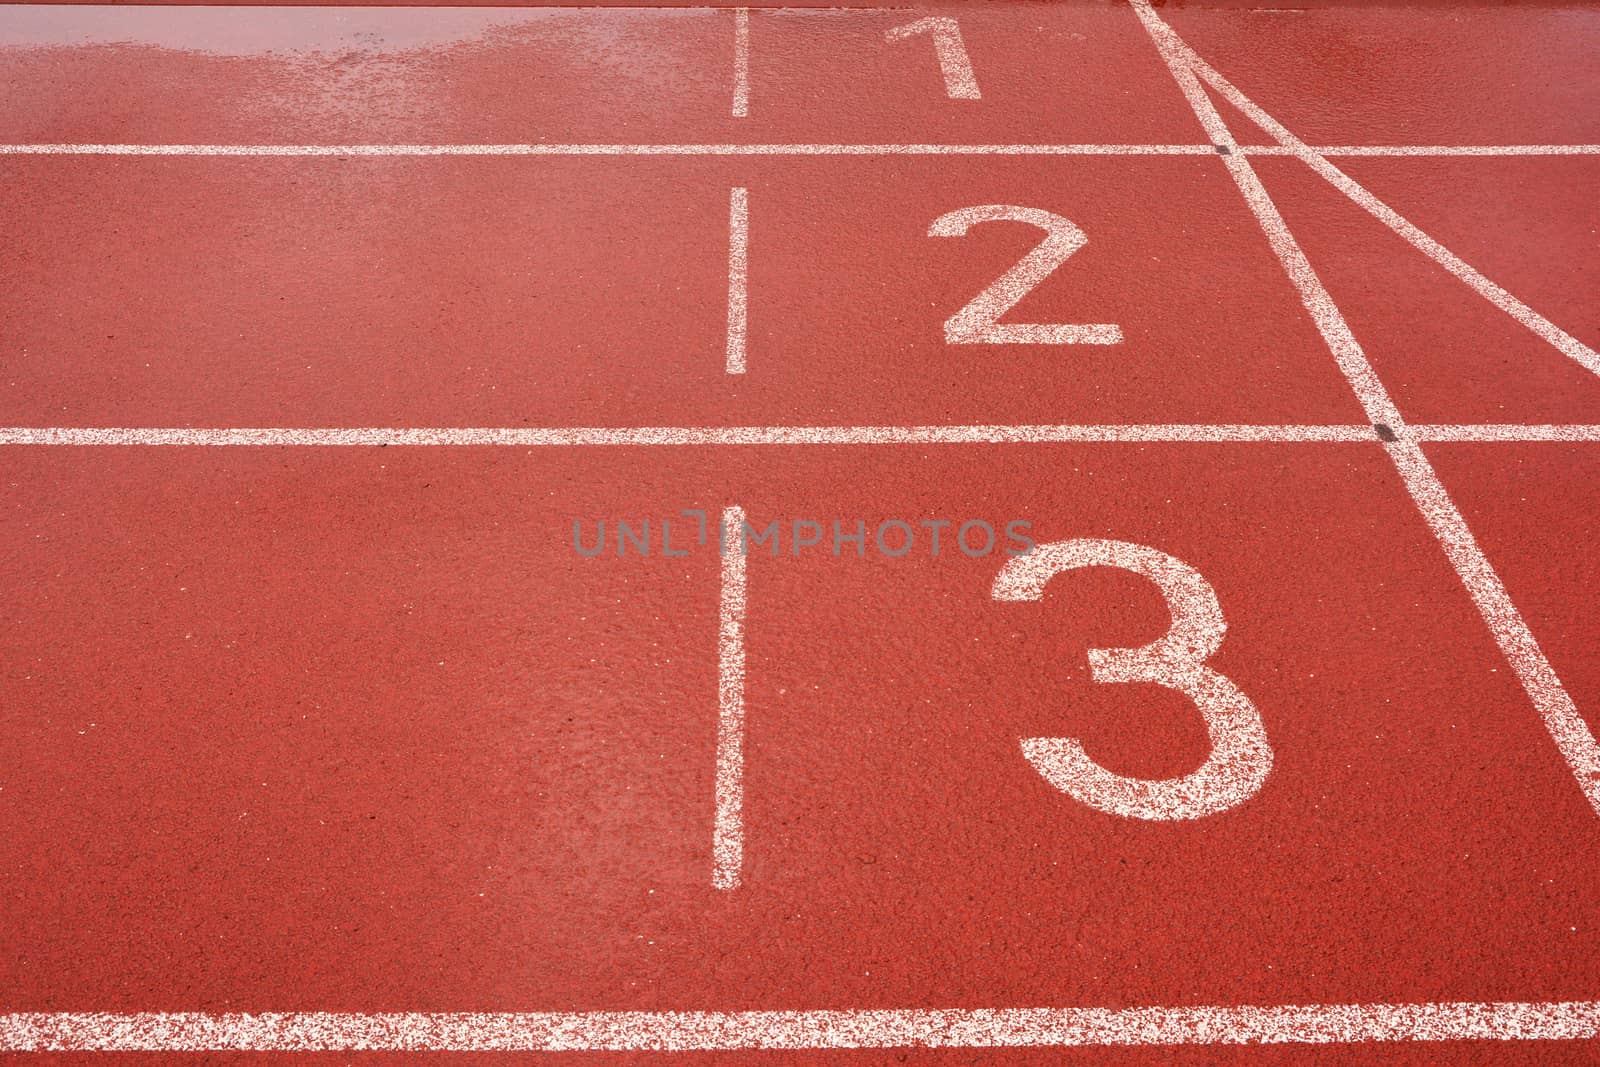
(959, 81)
(978, 322)
(1240, 758)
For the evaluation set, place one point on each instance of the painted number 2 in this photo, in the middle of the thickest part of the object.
(977, 323)
(1240, 758)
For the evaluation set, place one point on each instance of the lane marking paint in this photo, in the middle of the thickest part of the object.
(778, 149)
(741, 62)
(727, 848)
(1327, 317)
(580, 436)
(738, 276)
(1566, 727)
(673, 435)
(641, 1031)
(1508, 432)
(1564, 342)
(955, 66)
(802, 149)
(1438, 150)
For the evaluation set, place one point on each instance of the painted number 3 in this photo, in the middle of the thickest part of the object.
(978, 322)
(1240, 758)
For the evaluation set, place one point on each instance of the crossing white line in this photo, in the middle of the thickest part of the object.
(673, 435)
(685, 1031)
(1458, 150)
(1429, 150)
(727, 843)
(685, 149)
(1566, 727)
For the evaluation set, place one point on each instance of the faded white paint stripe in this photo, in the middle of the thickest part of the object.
(1507, 432)
(1437, 150)
(674, 435)
(727, 842)
(1561, 718)
(1566, 727)
(807, 149)
(738, 276)
(741, 62)
(1310, 1024)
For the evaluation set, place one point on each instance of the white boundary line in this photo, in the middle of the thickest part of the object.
(727, 839)
(741, 62)
(654, 436)
(780, 149)
(1517, 643)
(738, 276)
(673, 435)
(1307, 1024)
(1318, 304)
(1508, 432)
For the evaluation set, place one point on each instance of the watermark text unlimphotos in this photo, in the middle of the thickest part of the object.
(692, 529)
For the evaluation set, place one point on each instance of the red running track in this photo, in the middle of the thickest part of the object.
(327, 326)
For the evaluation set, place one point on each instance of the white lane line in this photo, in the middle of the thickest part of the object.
(1507, 432)
(1561, 718)
(687, 1031)
(1564, 342)
(1566, 727)
(676, 435)
(776, 149)
(1425, 150)
(741, 62)
(579, 436)
(727, 841)
(769, 149)
(738, 276)
(1437, 150)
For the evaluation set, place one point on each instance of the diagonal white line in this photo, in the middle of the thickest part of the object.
(1566, 727)
(1318, 303)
